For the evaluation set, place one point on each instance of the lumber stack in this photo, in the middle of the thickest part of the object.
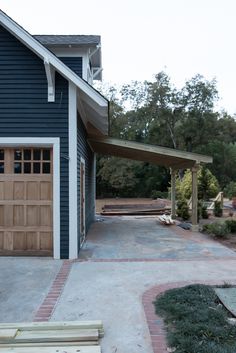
(51, 337)
(134, 209)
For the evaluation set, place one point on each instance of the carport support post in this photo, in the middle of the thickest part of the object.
(195, 227)
(173, 176)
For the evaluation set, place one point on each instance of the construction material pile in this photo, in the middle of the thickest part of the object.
(166, 220)
(51, 337)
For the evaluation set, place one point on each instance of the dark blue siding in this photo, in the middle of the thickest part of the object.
(25, 111)
(84, 150)
(74, 63)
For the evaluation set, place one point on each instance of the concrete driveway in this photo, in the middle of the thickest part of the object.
(122, 258)
(145, 238)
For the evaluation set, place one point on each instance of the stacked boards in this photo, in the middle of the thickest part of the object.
(51, 337)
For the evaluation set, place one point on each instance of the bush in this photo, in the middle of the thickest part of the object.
(205, 214)
(155, 194)
(218, 211)
(231, 224)
(230, 190)
(218, 230)
(182, 209)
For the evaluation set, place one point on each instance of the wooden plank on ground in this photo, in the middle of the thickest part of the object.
(57, 335)
(49, 344)
(55, 349)
(8, 333)
(57, 325)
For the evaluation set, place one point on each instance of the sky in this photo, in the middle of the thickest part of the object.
(142, 37)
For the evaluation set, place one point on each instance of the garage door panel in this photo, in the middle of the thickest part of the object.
(19, 241)
(1, 190)
(18, 215)
(8, 241)
(19, 190)
(8, 190)
(26, 223)
(1, 215)
(32, 241)
(32, 190)
(1, 240)
(45, 216)
(32, 215)
(8, 215)
(45, 240)
(45, 190)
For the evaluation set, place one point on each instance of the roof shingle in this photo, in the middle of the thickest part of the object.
(74, 40)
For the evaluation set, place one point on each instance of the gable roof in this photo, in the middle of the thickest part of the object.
(86, 93)
(65, 40)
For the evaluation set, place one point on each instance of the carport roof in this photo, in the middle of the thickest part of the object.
(164, 156)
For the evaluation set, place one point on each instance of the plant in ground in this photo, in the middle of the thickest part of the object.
(218, 230)
(218, 211)
(182, 209)
(231, 224)
(195, 322)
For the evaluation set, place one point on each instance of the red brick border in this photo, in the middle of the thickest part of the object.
(47, 307)
(155, 323)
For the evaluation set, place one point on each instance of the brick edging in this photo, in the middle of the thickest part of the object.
(47, 307)
(155, 323)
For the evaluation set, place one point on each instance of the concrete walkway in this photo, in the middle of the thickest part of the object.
(122, 258)
(108, 286)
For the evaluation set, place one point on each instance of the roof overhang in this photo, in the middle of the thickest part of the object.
(94, 99)
(147, 153)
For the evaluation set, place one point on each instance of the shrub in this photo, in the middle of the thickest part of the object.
(205, 214)
(218, 230)
(155, 194)
(182, 209)
(231, 224)
(218, 211)
(230, 190)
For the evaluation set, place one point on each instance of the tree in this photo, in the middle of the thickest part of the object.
(207, 185)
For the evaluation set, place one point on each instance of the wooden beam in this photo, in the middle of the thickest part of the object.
(195, 227)
(173, 192)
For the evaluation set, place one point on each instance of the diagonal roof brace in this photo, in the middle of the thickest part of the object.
(50, 74)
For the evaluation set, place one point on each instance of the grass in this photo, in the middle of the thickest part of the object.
(196, 322)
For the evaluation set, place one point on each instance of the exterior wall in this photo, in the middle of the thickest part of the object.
(74, 63)
(25, 111)
(84, 150)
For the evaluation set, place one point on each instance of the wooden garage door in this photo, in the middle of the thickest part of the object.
(26, 201)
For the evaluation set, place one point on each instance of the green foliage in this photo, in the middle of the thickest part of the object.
(218, 230)
(195, 322)
(205, 214)
(230, 190)
(218, 211)
(231, 224)
(207, 185)
(159, 194)
(183, 209)
(155, 112)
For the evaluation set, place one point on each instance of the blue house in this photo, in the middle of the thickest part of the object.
(52, 122)
(47, 167)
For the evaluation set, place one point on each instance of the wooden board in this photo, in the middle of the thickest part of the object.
(55, 325)
(55, 349)
(8, 334)
(49, 344)
(57, 335)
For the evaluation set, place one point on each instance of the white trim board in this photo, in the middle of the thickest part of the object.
(53, 142)
(73, 195)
